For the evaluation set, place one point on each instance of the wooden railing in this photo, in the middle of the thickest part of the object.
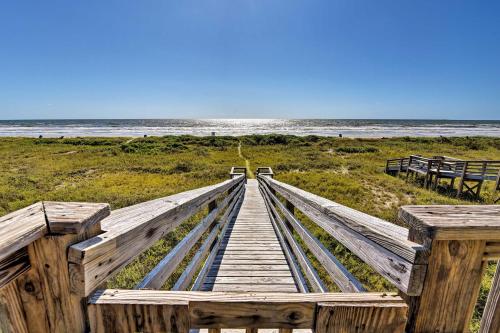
(265, 171)
(55, 259)
(437, 264)
(238, 171)
(170, 311)
(54, 255)
(397, 165)
(472, 173)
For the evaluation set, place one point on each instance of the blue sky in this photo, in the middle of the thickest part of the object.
(250, 59)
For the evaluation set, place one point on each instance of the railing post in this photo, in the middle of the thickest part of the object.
(212, 205)
(456, 238)
(490, 322)
(40, 300)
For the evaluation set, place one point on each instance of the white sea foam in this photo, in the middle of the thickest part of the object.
(323, 127)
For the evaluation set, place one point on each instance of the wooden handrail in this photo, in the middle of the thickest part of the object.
(188, 274)
(21, 228)
(381, 244)
(287, 242)
(52, 251)
(162, 271)
(308, 269)
(181, 311)
(238, 171)
(265, 171)
(228, 215)
(456, 238)
(339, 274)
(453, 243)
(39, 299)
(131, 230)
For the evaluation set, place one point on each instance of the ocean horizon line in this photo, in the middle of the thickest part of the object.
(374, 128)
(244, 118)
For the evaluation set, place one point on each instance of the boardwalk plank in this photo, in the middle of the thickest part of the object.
(250, 257)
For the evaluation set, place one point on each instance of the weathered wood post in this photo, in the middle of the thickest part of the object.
(212, 205)
(460, 188)
(290, 207)
(456, 237)
(40, 300)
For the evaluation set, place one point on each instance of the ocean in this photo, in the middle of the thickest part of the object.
(359, 128)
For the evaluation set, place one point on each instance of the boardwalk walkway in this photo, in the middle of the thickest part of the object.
(250, 257)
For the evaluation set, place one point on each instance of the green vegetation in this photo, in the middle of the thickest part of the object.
(124, 171)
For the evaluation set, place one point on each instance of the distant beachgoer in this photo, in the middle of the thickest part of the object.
(40, 136)
(340, 135)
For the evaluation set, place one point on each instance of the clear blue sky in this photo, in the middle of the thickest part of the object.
(250, 59)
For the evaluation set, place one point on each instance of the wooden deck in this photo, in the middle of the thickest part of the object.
(250, 257)
(252, 268)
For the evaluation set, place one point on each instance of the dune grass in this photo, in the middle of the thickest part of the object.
(123, 172)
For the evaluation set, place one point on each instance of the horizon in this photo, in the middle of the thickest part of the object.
(250, 60)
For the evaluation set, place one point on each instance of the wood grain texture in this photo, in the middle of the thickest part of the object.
(187, 275)
(361, 318)
(490, 323)
(451, 287)
(44, 290)
(131, 230)
(227, 219)
(492, 251)
(339, 274)
(46, 301)
(73, 217)
(404, 275)
(162, 271)
(308, 269)
(384, 233)
(159, 297)
(12, 317)
(300, 280)
(14, 265)
(63, 310)
(456, 237)
(130, 318)
(228, 310)
(454, 222)
(21, 228)
(252, 222)
(251, 314)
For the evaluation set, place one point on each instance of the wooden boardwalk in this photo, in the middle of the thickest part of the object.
(250, 257)
(251, 270)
